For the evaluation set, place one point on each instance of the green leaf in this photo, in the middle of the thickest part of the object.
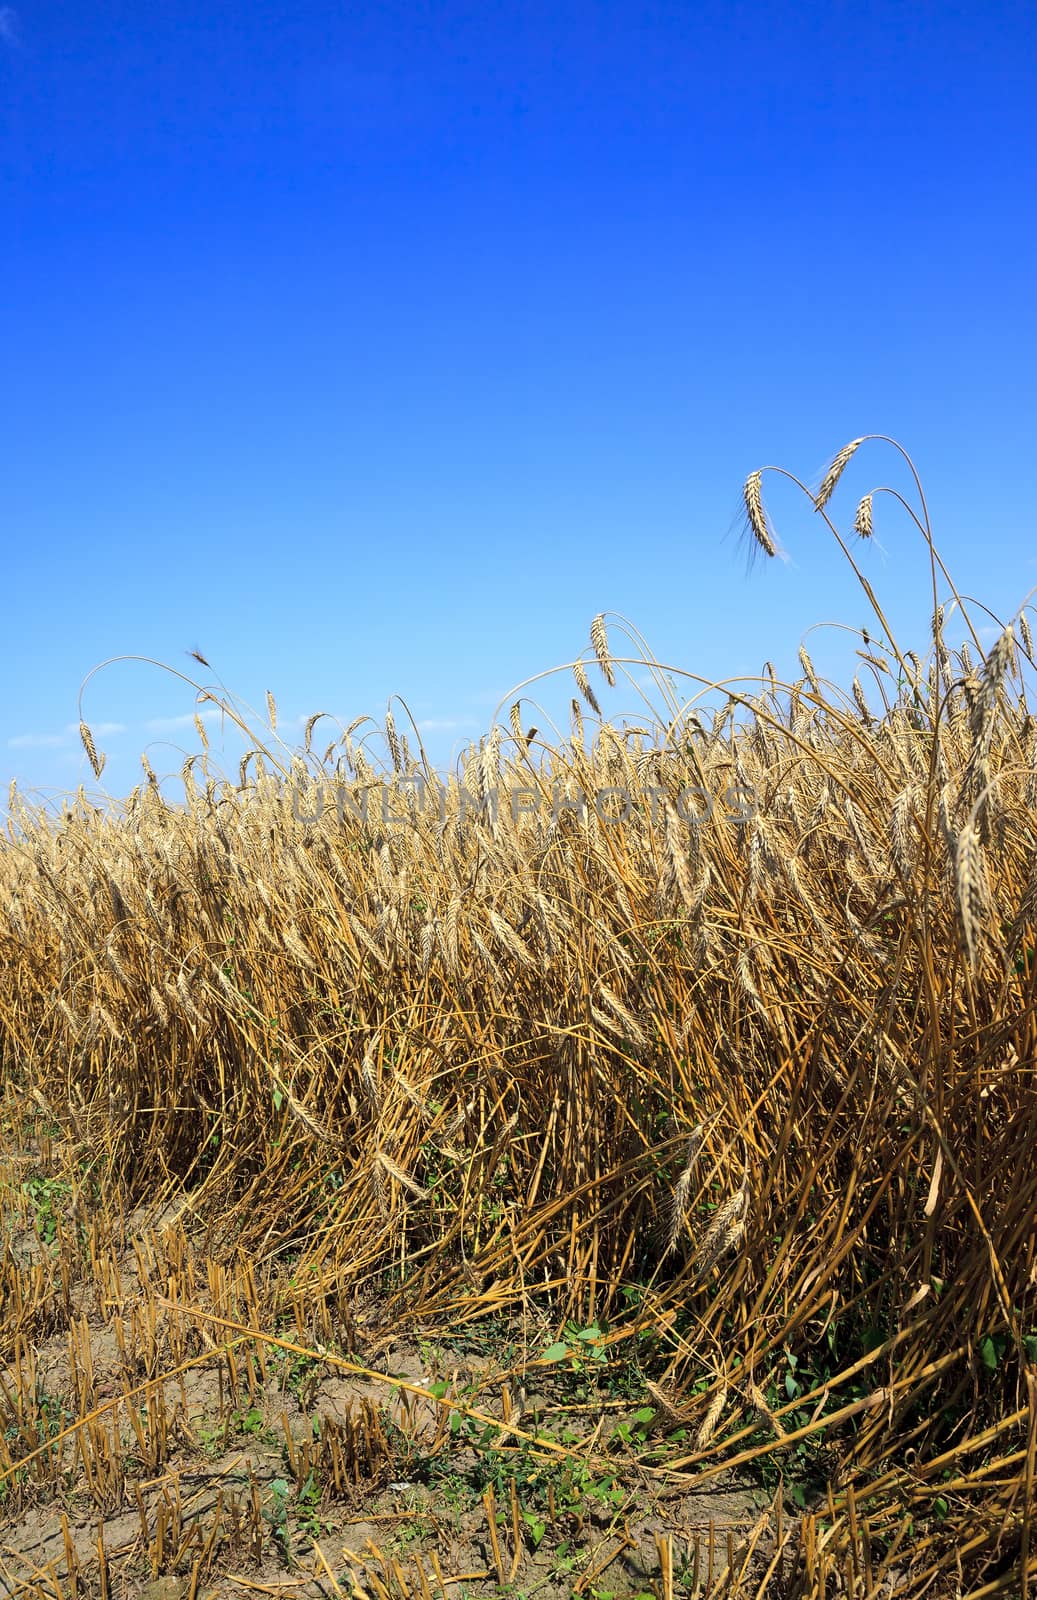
(988, 1352)
(555, 1352)
(536, 1527)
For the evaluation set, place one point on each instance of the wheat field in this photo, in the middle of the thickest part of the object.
(713, 1121)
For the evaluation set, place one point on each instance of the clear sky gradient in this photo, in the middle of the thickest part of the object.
(374, 349)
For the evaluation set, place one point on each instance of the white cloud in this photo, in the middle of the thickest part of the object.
(54, 741)
(37, 741)
(444, 724)
(488, 697)
(184, 720)
(99, 730)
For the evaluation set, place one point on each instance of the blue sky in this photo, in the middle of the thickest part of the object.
(375, 349)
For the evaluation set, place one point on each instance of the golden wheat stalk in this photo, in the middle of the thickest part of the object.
(835, 471)
(600, 642)
(393, 741)
(709, 1422)
(971, 888)
(678, 1204)
(752, 496)
(96, 761)
(583, 684)
(724, 1233)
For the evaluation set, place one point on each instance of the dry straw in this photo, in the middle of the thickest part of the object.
(420, 1074)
